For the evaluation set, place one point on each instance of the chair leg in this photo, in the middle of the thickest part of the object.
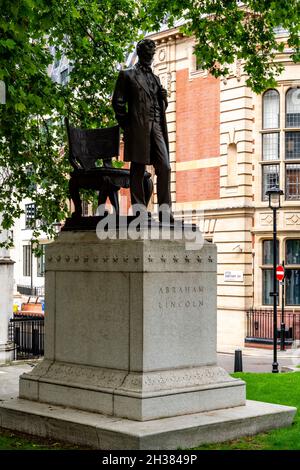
(113, 197)
(75, 196)
(109, 190)
(102, 195)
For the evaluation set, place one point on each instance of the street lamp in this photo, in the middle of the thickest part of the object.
(57, 227)
(274, 204)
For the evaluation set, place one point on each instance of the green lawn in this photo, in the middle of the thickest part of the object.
(283, 389)
(11, 440)
(273, 388)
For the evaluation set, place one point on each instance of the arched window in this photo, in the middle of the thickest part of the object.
(292, 145)
(270, 139)
(293, 107)
(271, 109)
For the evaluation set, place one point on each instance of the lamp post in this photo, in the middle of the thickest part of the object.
(282, 326)
(274, 204)
(57, 227)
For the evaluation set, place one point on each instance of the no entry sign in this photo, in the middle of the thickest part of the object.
(279, 273)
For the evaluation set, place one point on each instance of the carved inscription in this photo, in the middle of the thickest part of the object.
(180, 297)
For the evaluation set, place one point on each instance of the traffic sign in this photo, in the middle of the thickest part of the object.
(280, 273)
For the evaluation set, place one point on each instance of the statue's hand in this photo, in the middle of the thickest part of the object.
(164, 94)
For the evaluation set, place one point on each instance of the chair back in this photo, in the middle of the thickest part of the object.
(86, 146)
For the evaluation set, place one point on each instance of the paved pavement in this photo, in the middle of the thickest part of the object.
(9, 378)
(253, 363)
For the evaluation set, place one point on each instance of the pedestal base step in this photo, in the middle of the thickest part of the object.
(135, 396)
(111, 433)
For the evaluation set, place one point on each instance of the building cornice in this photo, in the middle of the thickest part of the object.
(231, 211)
(166, 35)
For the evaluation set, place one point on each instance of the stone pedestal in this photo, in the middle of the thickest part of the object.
(131, 329)
(130, 359)
(6, 303)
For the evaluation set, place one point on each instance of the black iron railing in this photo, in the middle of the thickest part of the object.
(28, 336)
(28, 290)
(260, 326)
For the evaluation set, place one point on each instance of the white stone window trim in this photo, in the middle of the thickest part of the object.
(283, 89)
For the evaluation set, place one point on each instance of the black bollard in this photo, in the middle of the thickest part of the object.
(238, 361)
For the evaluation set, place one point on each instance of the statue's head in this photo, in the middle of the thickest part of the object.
(145, 50)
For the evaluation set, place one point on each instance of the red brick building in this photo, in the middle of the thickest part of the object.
(225, 153)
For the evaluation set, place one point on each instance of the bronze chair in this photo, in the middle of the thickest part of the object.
(86, 146)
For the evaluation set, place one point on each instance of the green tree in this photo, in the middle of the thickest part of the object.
(226, 30)
(96, 35)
